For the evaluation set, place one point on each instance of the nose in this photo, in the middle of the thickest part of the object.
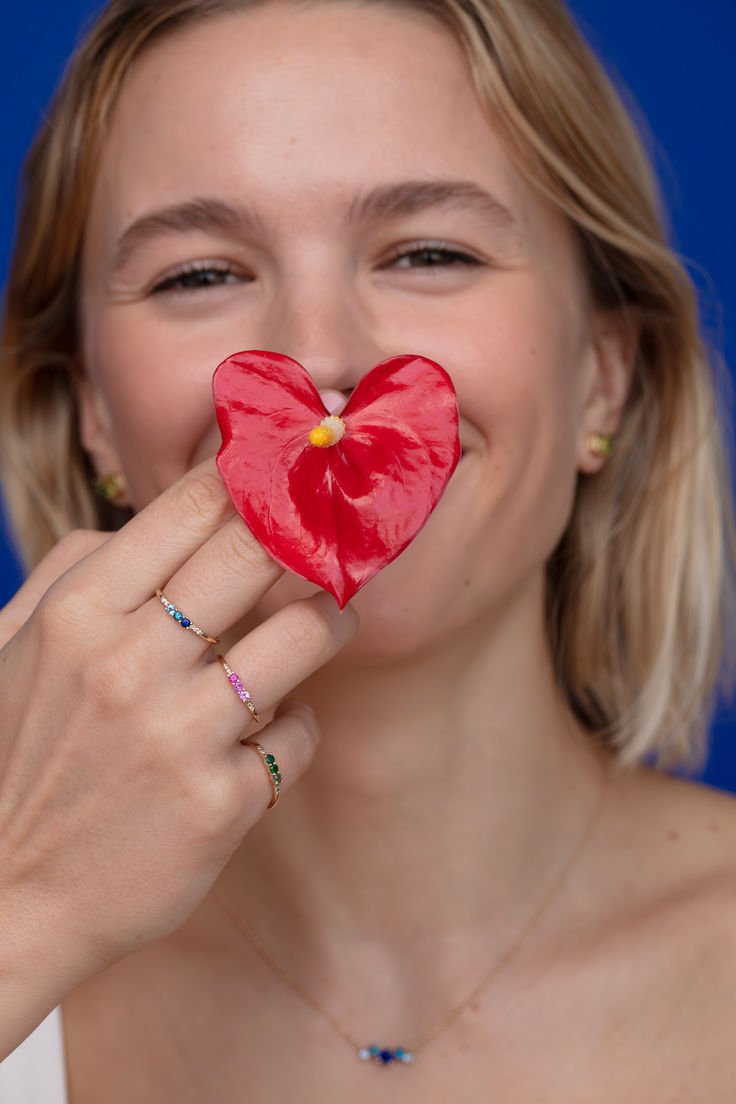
(330, 333)
(334, 401)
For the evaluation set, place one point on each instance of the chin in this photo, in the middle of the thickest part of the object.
(402, 610)
(422, 597)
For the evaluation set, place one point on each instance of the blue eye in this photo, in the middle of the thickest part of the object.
(194, 277)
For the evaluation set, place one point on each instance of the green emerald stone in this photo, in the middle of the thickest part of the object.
(274, 769)
(270, 759)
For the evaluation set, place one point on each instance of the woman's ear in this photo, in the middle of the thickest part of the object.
(95, 434)
(614, 347)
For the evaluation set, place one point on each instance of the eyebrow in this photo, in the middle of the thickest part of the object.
(414, 196)
(385, 202)
(195, 214)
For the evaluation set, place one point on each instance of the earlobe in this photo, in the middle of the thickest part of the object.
(96, 438)
(615, 341)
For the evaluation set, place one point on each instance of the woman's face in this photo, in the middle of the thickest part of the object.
(321, 181)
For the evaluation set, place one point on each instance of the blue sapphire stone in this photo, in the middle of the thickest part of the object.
(384, 1056)
(185, 622)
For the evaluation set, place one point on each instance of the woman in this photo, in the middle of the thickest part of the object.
(477, 877)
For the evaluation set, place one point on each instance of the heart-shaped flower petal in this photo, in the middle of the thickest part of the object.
(335, 499)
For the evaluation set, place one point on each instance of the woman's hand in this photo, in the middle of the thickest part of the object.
(68, 551)
(124, 788)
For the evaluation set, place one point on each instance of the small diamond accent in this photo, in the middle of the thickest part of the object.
(185, 622)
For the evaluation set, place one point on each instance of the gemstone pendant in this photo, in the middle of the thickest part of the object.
(383, 1056)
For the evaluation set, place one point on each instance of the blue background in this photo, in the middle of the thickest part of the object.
(674, 58)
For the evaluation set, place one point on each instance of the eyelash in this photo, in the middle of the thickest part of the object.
(202, 271)
(174, 280)
(450, 256)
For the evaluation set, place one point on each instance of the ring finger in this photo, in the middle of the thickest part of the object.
(269, 663)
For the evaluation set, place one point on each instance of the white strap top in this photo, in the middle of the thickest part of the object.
(35, 1072)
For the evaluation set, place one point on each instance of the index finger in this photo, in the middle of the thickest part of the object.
(157, 541)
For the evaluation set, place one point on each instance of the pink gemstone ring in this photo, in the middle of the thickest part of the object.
(239, 688)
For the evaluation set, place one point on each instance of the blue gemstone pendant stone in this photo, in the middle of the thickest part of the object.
(383, 1056)
(185, 622)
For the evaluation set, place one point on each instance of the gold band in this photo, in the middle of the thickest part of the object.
(238, 687)
(183, 620)
(272, 768)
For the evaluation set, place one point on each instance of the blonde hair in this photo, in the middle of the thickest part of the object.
(640, 588)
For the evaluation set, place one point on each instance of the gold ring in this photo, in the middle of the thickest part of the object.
(238, 687)
(271, 766)
(183, 620)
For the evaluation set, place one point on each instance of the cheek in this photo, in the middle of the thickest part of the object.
(518, 373)
(518, 367)
(158, 393)
(528, 400)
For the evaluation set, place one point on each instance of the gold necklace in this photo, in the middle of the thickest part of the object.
(386, 1056)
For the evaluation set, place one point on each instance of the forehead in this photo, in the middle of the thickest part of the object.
(314, 98)
(295, 112)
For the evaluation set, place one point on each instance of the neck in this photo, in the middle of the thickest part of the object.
(447, 791)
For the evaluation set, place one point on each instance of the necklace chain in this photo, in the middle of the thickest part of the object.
(270, 959)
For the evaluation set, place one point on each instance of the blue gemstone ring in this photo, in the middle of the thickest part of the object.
(183, 620)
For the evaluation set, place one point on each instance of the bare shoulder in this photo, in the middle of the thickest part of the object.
(661, 962)
(672, 844)
(683, 832)
(673, 856)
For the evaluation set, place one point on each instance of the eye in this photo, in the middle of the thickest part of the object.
(431, 255)
(198, 275)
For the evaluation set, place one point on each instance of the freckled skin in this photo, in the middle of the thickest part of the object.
(325, 294)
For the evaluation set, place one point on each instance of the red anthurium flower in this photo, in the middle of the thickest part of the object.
(335, 499)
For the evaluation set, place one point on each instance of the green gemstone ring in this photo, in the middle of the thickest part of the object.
(272, 768)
